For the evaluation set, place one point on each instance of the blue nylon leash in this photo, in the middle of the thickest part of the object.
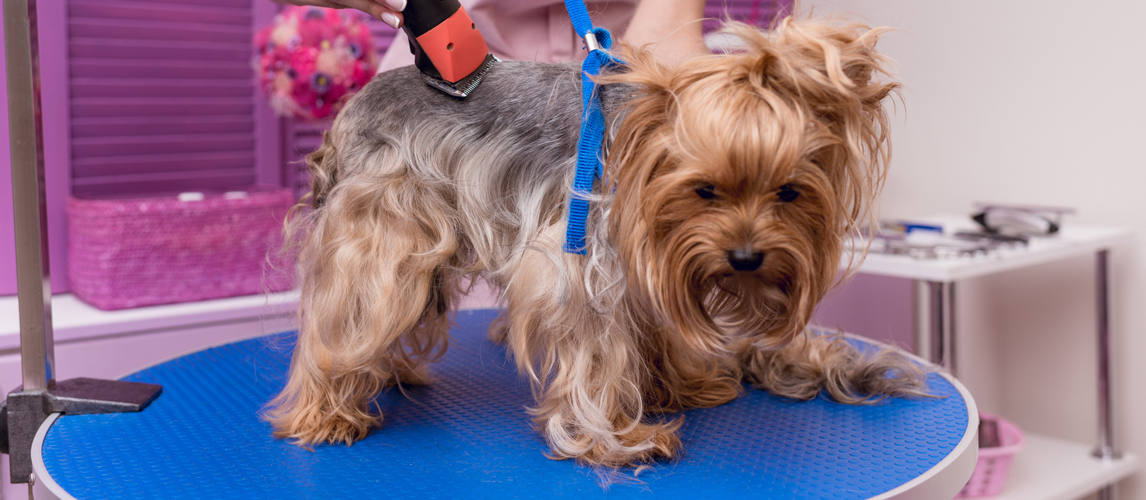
(589, 166)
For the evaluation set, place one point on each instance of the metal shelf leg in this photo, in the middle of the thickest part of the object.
(1105, 449)
(935, 323)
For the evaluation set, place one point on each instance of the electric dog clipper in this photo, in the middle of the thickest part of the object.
(448, 48)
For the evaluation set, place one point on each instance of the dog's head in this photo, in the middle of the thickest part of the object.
(737, 177)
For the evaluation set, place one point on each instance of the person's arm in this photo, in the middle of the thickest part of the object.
(387, 11)
(671, 28)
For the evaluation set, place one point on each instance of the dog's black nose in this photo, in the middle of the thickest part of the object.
(745, 259)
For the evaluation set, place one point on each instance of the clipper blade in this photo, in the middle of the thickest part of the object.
(463, 87)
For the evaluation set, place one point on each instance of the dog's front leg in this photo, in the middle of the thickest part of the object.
(591, 408)
(587, 374)
(811, 364)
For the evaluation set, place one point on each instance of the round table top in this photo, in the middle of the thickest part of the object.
(468, 435)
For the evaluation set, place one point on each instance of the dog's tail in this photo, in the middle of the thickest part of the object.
(323, 167)
(812, 364)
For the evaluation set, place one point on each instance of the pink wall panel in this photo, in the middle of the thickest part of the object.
(7, 229)
(876, 307)
(53, 90)
(57, 136)
(269, 167)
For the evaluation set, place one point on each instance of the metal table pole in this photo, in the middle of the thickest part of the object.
(37, 358)
(29, 205)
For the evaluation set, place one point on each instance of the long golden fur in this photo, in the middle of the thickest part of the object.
(729, 185)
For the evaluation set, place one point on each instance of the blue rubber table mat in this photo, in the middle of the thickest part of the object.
(468, 436)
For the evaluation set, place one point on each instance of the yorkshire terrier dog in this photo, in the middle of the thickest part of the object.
(730, 183)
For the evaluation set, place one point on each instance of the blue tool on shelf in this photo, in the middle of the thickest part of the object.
(468, 436)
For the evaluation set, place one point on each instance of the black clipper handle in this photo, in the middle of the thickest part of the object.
(421, 16)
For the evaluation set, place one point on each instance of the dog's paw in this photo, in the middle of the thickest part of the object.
(642, 445)
(311, 428)
(707, 392)
(418, 375)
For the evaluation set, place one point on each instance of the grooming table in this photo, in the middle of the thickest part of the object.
(468, 436)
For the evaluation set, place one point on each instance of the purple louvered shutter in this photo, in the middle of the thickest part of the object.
(161, 95)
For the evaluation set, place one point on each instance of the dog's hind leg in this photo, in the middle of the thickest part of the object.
(377, 279)
(811, 364)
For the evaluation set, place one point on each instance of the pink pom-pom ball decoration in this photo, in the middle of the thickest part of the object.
(311, 59)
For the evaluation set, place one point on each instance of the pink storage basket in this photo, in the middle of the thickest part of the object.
(139, 251)
(995, 462)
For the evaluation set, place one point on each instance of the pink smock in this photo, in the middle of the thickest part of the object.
(526, 30)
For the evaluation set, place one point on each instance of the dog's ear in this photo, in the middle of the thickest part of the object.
(641, 150)
(836, 75)
(641, 134)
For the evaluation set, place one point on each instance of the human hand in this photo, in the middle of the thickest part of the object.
(387, 11)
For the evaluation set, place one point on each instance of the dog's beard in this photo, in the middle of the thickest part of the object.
(712, 305)
(748, 306)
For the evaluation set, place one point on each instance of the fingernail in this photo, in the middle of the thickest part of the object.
(398, 5)
(390, 19)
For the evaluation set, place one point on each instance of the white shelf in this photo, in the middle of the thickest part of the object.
(72, 319)
(1054, 469)
(1071, 241)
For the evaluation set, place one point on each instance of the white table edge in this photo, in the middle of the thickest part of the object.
(44, 486)
(950, 475)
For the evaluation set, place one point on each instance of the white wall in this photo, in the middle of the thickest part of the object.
(1038, 102)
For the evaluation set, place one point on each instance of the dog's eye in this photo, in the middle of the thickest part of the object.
(707, 192)
(787, 193)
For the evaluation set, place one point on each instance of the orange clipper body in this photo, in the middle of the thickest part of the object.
(448, 48)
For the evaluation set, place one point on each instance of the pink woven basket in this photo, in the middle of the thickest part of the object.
(139, 251)
(995, 462)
